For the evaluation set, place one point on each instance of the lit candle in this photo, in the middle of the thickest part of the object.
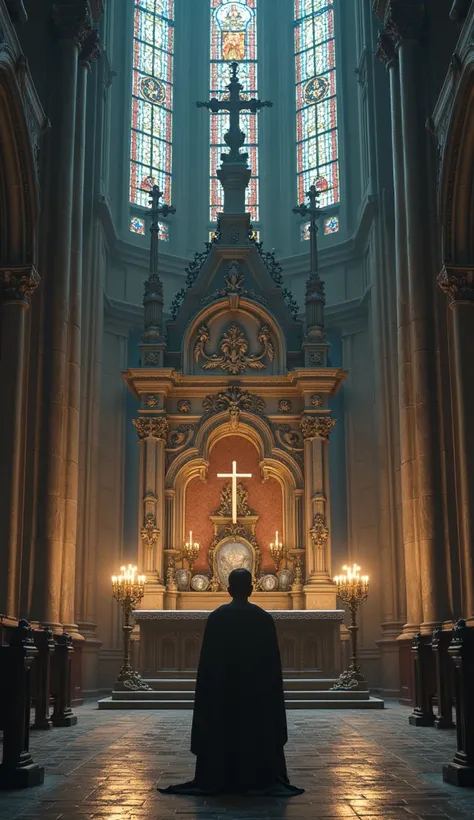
(190, 536)
(276, 538)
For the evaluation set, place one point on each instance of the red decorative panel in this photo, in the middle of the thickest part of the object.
(203, 499)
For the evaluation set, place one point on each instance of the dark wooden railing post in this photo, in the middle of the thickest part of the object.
(461, 649)
(423, 714)
(444, 678)
(44, 643)
(61, 682)
(17, 770)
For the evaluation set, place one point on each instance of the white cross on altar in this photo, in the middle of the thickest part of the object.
(234, 475)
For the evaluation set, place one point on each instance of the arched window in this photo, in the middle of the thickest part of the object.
(152, 107)
(316, 105)
(233, 38)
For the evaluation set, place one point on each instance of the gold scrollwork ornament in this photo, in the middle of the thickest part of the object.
(234, 357)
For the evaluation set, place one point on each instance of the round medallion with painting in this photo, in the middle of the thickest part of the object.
(315, 89)
(232, 555)
(152, 90)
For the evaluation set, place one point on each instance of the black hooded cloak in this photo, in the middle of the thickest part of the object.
(239, 722)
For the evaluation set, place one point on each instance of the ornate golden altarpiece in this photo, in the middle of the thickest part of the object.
(235, 358)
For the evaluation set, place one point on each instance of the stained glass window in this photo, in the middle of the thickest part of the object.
(137, 225)
(233, 38)
(152, 101)
(316, 104)
(331, 225)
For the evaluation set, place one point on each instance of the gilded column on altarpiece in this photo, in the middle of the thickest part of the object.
(152, 434)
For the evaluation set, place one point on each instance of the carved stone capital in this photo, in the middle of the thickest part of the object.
(19, 283)
(73, 20)
(151, 427)
(404, 19)
(90, 48)
(386, 51)
(316, 426)
(457, 282)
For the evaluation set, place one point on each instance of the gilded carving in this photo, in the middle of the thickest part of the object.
(170, 573)
(151, 427)
(234, 357)
(151, 358)
(457, 282)
(234, 278)
(316, 400)
(225, 532)
(180, 436)
(234, 400)
(225, 508)
(284, 406)
(316, 357)
(319, 531)
(149, 531)
(151, 401)
(317, 426)
(184, 406)
(289, 438)
(19, 283)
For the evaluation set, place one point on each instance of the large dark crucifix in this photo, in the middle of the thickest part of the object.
(234, 104)
(314, 212)
(153, 296)
(157, 210)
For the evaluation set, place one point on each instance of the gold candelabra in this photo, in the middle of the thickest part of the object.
(277, 551)
(353, 590)
(191, 550)
(128, 589)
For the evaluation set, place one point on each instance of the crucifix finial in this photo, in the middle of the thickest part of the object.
(234, 104)
(153, 296)
(314, 212)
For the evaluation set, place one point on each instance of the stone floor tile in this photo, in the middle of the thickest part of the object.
(370, 766)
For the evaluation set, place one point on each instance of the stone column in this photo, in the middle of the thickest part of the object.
(319, 589)
(152, 434)
(458, 284)
(90, 50)
(404, 20)
(17, 287)
(72, 22)
(386, 52)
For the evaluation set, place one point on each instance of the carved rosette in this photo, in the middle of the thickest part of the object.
(19, 283)
(317, 426)
(457, 283)
(150, 531)
(151, 427)
(73, 20)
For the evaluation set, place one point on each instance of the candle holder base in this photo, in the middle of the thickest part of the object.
(352, 679)
(131, 681)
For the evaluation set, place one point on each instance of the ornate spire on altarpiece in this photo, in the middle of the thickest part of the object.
(153, 338)
(315, 343)
(234, 173)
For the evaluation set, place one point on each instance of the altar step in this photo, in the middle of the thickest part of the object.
(300, 693)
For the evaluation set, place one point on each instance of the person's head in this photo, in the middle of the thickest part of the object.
(240, 583)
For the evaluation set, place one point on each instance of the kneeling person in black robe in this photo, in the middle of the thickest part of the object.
(239, 722)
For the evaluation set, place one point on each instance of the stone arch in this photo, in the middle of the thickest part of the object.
(456, 184)
(20, 116)
(194, 463)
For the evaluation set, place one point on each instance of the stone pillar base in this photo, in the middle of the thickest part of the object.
(458, 775)
(320, 595)
(154, 595)
(389, 667)
(21, 777)
(298, 599)
(90, 659)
